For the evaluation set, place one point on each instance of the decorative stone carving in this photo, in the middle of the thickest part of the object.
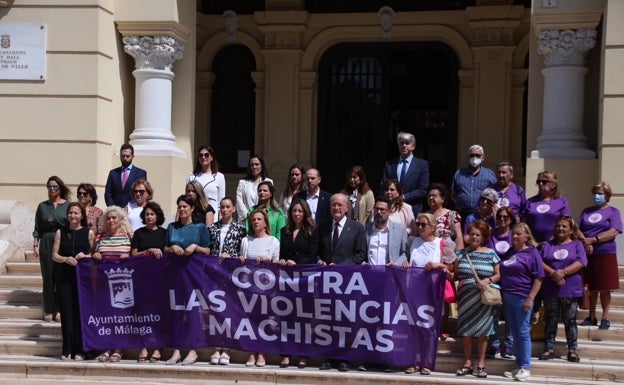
(153, 52)
(282, 39)
(386, 20)
(230, 19)
(494, 34)
(565, 47)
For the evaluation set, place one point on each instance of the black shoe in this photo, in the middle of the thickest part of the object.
(325, 366)
(343, 367)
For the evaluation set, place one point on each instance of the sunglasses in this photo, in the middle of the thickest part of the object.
(52, 187)
(140, 192)
(83, 193)
(203, 155)
(542, 181)
(421, 224)
(475, 155)
(487, 200)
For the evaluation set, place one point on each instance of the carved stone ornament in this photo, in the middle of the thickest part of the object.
(565, 47)
(153, 52)
(386, 20)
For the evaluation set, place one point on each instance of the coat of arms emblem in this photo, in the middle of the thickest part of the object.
(121, 288)
(5, 41)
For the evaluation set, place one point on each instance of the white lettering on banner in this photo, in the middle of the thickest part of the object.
(424, 312)
(117, 319)
(331, 281)
(197, 299)
(130, 329)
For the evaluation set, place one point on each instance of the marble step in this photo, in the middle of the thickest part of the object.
(29, 328)
(21, 281)
(23, 268)
(21, 311)
(21, 296)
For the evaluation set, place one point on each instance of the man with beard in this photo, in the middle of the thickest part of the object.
(386, 240)
(117, 191)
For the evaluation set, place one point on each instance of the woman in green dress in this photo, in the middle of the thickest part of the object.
(50, 216)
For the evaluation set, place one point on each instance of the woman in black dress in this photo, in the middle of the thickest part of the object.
(150, 240)
(71, 243)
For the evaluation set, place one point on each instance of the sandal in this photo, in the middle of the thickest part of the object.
(573, 356)
(463, 371)
(412, 369)
(481, 372)
(115, 357)
(425, 371)
(47, 317)
(155, 357)
(104, 357)
(547, 355)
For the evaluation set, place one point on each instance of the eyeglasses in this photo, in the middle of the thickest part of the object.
(475, 155)
(487, 200)
(140, 192)
(542, 181)
(380, 209)
(421, 224)
(82, 193)
(204, 154)
(430, 196)
(52, 187)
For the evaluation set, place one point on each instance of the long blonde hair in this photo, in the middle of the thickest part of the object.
(124, 224)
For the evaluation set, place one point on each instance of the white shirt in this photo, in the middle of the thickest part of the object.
(341, 223)
(134, 215)
(378, 246)
(313, 202)
(422, 252)
(246, 197)
(224, 229)
(252, 247)
(214, 188)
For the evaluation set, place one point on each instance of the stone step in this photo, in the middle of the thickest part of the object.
(29, 256)
(35, 346)
(127, 371)
(29, 328)
(28, 268)
(616, 315)
(21, 296)
(21, 281)
(23, 311)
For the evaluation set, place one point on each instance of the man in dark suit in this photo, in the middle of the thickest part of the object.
(317, 199)
(120, 179)
(386, 240)
(342, 243)
(411, 172)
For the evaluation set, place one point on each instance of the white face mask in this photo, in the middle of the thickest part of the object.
(475, 162)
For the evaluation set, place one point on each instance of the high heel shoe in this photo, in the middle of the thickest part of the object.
(251, 361)
(175, 358)
(190, 361)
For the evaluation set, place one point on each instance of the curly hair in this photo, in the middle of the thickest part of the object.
(124, 224)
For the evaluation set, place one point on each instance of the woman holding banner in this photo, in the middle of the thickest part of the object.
(475, 319)
(185, 238)
(260, 246)
(71, 243)
(149, 240)
(113, 244)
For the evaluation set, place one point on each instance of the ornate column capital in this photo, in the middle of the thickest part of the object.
(153, 52)
(565, 46)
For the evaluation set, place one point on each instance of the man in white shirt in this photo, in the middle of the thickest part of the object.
(386, 240)
(317, 199)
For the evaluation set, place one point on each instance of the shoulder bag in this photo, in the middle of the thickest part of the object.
(490, 296)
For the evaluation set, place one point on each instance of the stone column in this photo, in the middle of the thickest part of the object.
(564, 86)
(154, 57)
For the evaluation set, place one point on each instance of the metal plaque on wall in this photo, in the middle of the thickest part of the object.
(22, 51)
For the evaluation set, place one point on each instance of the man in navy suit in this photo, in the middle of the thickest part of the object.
(120, 179)
(386, 240)
(411, 172)
(317, 199)
(342, 243)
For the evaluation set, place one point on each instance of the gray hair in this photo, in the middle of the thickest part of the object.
(477, 147)
(489, 192)
(505, 164)
(406, 136)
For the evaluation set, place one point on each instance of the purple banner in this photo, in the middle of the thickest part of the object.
(363, 313)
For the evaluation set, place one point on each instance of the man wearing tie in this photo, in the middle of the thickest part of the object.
(411, 172)
(117, 191)
(317, 198)
(342, 243)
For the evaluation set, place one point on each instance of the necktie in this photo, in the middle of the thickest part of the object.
(124, 178)
(403, 170)
(335, 237)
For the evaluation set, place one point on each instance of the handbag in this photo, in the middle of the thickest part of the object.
(490, 296)
(449, 289)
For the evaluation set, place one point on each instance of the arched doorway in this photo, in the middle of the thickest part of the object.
(233, 107)
(368, 92)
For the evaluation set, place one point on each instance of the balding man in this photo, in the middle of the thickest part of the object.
(317, 199)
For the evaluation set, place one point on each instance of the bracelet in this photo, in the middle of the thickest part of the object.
(596, 239)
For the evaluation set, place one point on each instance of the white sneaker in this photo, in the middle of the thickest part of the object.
(214, 359)
(511, 373)
(523, 374)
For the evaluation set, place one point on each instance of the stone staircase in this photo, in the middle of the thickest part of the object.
(30, 349)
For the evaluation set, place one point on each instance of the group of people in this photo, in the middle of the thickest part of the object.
(531, 247)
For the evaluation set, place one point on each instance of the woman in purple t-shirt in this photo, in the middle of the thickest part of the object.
(600, 225)
(563, 258)
(542, 210)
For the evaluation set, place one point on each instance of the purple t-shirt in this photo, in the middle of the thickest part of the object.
(594, 220)
(540, 215)
(519, 270)
(501, 244)
(514, 197)
(559, 256)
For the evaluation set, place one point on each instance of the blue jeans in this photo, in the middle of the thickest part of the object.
(494, 339)
(519, 322)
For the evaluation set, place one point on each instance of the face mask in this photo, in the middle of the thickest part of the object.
(475, 162)
(600, 199)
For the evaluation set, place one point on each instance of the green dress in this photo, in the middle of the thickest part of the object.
(48, 219)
